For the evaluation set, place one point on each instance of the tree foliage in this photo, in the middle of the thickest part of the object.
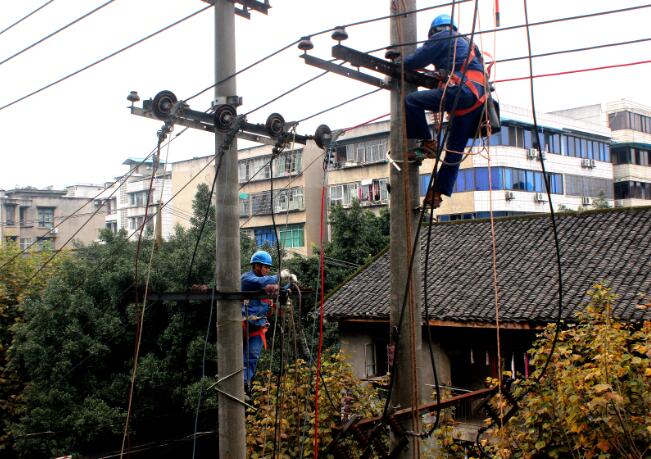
(594, 399)
(292, 394)
(17, 283)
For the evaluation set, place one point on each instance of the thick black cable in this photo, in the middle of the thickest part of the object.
(431, 186)
(50, 35)
(521, 26)
(203, 367)
(25, 17)
(551, 211)
(113, 54)
(536, 143)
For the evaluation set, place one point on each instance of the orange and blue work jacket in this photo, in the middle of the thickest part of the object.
(254, 312)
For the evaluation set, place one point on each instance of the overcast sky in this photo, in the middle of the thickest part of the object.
(80, 131)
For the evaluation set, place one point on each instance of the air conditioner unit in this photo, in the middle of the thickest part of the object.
(509, 195)
(586, 200)
(540, 197)
(543, 154)
(532, 153)
(589, 163)
(54, 231)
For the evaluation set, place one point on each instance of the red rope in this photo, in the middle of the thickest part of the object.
(567, 72)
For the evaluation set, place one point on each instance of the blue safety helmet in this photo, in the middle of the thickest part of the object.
(443, 20)
(261, 257)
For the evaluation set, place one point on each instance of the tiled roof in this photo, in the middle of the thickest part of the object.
(613, 246)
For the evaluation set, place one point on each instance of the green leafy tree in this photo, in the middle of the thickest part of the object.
(16, 286)
(594, 399)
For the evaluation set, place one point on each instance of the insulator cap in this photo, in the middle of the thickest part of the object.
(305, 44)
(339, 34)
(133, 96)
(392, 54)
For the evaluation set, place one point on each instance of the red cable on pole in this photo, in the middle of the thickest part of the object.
(567, 72)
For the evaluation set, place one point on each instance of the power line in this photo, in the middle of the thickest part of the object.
(113, 54)
(80, 18)
(568, 72)
(26, 16)
(575, 50)
(532, 24)
(289, 45)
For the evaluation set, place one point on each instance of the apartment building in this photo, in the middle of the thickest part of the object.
(296, 175)
(577, 157)
(630, 126)
(129, 200)
(597, 155)
(46, 219)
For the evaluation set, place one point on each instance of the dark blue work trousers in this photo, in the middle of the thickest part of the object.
(462, 129)
(252, 350)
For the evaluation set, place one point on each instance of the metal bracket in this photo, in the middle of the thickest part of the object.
(345, 71)
(360, 59)
(205, 122)
(235, 101)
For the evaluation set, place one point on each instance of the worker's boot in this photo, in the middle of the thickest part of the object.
(433, 199)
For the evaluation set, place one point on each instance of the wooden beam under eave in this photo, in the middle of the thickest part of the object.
(451, 323)
(486, 325)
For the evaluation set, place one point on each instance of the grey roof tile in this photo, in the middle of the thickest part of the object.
(612, 246)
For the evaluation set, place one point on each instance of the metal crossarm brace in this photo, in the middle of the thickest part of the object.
(345, 71)
(360, 59)
(205, 122)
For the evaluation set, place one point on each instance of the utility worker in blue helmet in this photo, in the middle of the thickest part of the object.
(255, 312)
(466, 82)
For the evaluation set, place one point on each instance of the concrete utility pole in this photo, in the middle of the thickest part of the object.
(404, 220)
(230, 419)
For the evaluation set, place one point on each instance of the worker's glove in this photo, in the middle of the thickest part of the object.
(286, 277)
(271, 289)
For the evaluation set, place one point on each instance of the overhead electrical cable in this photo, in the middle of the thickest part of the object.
(50, 35)
(25, 17)
(533, 24)
(105, 58)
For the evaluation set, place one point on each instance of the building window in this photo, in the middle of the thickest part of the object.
(245, 207)
(292, 236)
(136, 222)
(46, 217)
(288, 163)
(139, 198)
(631, 155)
(23, 212)
(25, 243)
(344, 194)
(44, 243)
(112, 226)
(112, 206)
(629, 120)
(361, 152)
(10, 214)
(288, 200)
(579, 185)
(502, 178)
(255, 169)
(264, 236)
(370, 360)
(632, 190)
(261, 203)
